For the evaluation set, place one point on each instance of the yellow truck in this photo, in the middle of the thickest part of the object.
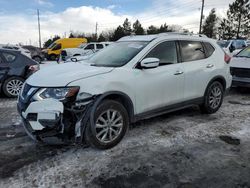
(54, 50)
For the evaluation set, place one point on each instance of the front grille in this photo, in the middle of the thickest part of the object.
(240, 72)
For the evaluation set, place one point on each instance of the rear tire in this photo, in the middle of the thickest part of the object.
(213, 98)
(12, 86)
(110, 125)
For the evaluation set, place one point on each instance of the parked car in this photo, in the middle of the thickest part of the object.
(54, 50)
(16, 47)
(14, 69)
(240, 68)
(83, 50)
(36, 53)
(248, 42)
(233, 47)
(136, 78)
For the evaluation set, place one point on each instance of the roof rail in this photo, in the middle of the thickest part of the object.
(181, 33)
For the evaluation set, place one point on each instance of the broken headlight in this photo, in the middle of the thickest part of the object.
(56, 93)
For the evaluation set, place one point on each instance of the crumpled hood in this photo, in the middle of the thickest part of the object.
(62, 74)
(240, 62)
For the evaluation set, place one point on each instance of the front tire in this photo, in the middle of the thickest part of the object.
(213, 98)
(110, 125)
(12, 86)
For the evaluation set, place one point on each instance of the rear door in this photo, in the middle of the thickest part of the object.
(197, 67)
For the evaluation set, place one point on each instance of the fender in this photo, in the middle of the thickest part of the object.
(218, 78)
(106, 95)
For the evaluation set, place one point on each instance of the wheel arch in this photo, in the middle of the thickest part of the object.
(121, 97)
(220, 79)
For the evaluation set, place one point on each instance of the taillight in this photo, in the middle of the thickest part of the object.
(227, 58)
(34, 68)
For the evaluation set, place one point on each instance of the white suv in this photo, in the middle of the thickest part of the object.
(137, 77)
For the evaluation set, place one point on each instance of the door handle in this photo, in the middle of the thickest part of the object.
(210, 66)
(179, 72)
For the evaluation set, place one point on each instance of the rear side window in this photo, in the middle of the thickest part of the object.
(9, 57)
(209, 49)
(191, 51)
(90, 47)
(99, 46)
(166, 52)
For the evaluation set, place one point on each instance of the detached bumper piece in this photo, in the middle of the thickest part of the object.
(42, 118)
(53, 122)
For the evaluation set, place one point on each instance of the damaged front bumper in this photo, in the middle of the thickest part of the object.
(50, 119)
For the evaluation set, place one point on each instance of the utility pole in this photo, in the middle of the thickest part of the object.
(39, 29)
(96, 28)
(202, 9)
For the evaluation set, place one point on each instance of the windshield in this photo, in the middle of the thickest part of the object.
(52, 45)
(244, 53)
(82, 45)
(223, 44)
(117, 54)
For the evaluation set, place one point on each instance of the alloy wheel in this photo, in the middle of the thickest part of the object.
(14, 87)
(215, 97)
(109, 126)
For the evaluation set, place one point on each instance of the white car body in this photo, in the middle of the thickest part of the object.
(147, 89)
(85, 49)
(18, 48)
(240, 68)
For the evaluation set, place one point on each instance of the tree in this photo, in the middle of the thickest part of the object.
(239, 15)
(152, 30)
(127, 27)
(71, 35)
(225, 29)
(164, 28)
(101, 38)
(50, 41)
(137, 28)
(119, 33)
(209, 28)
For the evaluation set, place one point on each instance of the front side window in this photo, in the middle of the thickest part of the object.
(9, 57)
(57, 47)
(191, 51)
(165, 52)
(52, 45)
(90, 47)
(117, 54)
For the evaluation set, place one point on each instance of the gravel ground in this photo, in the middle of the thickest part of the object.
(181, 149)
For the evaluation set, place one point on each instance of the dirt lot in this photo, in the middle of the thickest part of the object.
(181, 149)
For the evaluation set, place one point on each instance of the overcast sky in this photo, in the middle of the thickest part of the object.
(18, 18)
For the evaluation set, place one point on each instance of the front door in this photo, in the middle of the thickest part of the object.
(161, 86)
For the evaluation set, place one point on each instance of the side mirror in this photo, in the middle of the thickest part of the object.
(150, 63)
